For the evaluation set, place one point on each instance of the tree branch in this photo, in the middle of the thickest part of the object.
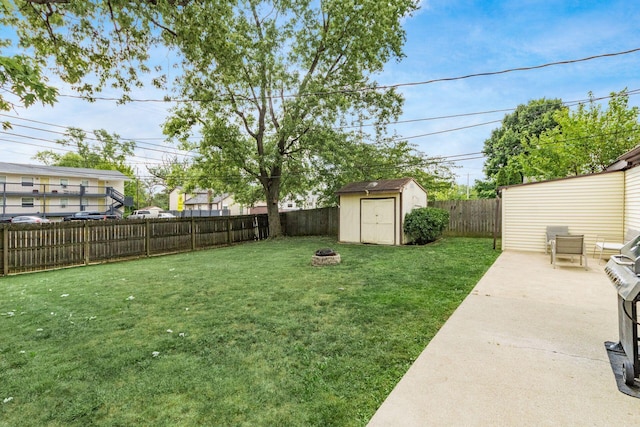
(241, 114)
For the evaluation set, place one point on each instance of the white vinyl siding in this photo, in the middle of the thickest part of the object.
(632, 199)
(591, 205)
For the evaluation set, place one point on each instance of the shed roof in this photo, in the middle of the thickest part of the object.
(17, 168)
(198, 199)
(379, 186)
(626, 161)
(202, 198)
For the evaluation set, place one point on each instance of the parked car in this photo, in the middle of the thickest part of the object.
(166, 215)
(144, 213)
(90, 216)
(29, 219)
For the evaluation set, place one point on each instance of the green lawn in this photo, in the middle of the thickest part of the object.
(243, 335)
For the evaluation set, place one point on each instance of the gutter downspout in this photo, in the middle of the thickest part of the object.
(498, 216)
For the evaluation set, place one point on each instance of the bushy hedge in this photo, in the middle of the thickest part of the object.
(424, 225)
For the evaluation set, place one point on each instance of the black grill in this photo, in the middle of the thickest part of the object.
(624, 271)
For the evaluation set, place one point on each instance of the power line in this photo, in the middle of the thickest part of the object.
(137, 140)
(448, 130)
(58, 148)
(86, 132)
(367, 89)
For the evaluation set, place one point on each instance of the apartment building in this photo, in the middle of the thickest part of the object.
(54, 191)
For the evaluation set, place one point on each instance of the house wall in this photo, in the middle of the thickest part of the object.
(174, 197)
(56, 195)
(632, 199)
(592, 205)
(229, 204)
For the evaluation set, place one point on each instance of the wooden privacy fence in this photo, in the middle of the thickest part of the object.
(467, 218)
(313, 222)
(37, 247)
(472, 218)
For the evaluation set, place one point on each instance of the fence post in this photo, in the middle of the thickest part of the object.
(193, 234)
(229, 230)
(147, 238)
(85, 236)
(5, 251)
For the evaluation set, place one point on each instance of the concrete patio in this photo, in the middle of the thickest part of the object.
(526, 347)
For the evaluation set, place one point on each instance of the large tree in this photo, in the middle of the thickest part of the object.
(586, 140)
(268, 81)
(505, 145)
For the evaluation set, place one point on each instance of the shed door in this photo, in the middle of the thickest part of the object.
(377, 224)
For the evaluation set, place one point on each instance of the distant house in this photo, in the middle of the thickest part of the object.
(55, 191)
(205, 200)
(374, 211)
(224, 204)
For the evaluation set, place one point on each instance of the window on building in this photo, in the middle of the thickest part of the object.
(3, 179)
(64, 203)
(84, 182)
(64, 182)
(27, 181)
(27, 202)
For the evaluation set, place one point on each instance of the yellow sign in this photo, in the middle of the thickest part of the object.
(180, 202)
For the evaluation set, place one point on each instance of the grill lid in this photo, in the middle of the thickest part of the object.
(631, 253)
(626, 282)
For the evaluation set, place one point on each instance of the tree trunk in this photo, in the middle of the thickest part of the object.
(272, 191)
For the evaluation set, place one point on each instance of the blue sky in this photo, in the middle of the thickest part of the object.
(446, 38)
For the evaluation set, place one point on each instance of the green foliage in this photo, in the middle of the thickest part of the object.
(295, 345)
(454, 192)
(425, 225)
(23, 78)
(485, 189)
(506, 143)
(341, 163)
(586, 140)
(102, 151)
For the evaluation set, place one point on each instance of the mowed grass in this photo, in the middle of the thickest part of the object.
(243, 335)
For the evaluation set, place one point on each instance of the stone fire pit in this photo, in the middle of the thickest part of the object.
(325, 256)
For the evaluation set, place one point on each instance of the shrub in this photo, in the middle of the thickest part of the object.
(424, 225)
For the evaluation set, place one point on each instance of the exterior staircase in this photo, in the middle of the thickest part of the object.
(118, 200)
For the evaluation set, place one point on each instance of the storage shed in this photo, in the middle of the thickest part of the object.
(374, 211)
